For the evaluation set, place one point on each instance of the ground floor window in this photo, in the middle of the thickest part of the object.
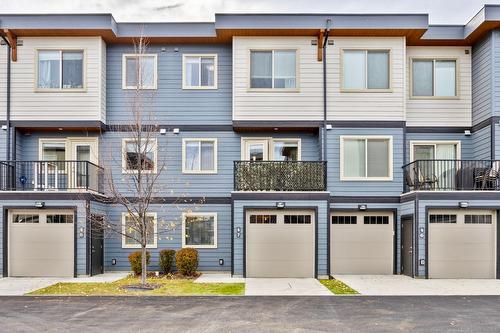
(131, 233)
(199, 230)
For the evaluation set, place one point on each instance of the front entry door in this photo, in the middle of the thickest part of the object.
(97, 245)
(407, 246)
(256, 150)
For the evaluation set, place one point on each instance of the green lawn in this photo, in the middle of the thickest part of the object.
(170, 287)
(338, 287)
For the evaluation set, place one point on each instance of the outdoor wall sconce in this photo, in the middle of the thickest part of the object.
(467, 133)
(4, 127)
(362, 207)
(82, 232)
(463, 204)
(39, 204)
(238, 232)
(176, 131)
(280, 205)
(163, 131)
(329, 127)
(113, 262)
(221, 262)
(422, 262)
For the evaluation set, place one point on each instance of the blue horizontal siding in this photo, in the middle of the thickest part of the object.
(170, 104)
(322, 245)
(482, 72)
(171, 238)
(364, 188)
(481, 143)
(81, 245)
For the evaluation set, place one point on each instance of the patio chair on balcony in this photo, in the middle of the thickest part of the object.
(419, 181)
(488, 178)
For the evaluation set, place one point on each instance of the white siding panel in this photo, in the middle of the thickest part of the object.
(3, 82)
(305, 104)
(381, 106)
(27, 104)
(442, 112)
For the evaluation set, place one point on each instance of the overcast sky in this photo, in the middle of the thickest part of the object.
(441, 11)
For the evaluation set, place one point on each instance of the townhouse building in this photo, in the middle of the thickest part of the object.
(301, 145)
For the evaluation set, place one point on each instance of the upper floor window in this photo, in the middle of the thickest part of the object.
(139, 71)
(199, 71)
(273, 69)
(366, 158)
(60, 69)
(434, 78)
(199, 155)
(365, 70)
(139, 156)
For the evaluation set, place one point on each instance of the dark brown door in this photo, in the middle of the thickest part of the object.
(97, 245)
(407, 246)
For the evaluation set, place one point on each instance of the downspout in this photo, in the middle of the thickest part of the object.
(7, 150)
(325, 43)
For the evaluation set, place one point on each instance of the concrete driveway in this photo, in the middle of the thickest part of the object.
(285, 287)
(401, 285)
(17, 286)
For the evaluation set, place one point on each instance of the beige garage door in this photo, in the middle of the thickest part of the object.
(280, 243)
(462, 244)
(41, 243)
(362, 243)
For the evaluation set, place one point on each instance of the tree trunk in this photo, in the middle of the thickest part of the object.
(143, 266)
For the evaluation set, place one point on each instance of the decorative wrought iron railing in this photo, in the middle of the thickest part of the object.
(452, 175)
(50, 176)
(280, 176)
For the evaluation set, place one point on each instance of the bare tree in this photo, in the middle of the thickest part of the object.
(138, 184)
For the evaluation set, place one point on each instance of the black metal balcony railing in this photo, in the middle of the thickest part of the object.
(452, 175)
(50, 176)
(279, 176)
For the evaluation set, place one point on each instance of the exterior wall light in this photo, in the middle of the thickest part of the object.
(362, 207)
(463, 204)
(39, 204)
(176, 131)
(113, 262)
(221, 262)
(467, 133)
(4, 127)
(280, 205)
(163, 131)
(329, 127)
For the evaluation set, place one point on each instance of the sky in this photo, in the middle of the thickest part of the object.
(440, 11)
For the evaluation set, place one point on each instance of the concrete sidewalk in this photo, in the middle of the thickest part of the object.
(218, 278)
(285, 287)
(401, 285)
(17, 286)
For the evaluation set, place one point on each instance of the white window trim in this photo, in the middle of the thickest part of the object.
(184, 245)
(366, 137)
(366, 89)
(433, 59)
(272, 89)
(457, 143)
(124, 71)
(184, 170)
(138, 246)
(200, 87)
(61, 89)
(270, 146)
(124, 156)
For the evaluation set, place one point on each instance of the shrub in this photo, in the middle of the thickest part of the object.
(166, 261)
(135, 261)
(186, 261)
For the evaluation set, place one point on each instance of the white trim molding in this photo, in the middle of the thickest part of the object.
(389, 138)
(199, 56)
(138, 246)
(124, 71)
(207, 246)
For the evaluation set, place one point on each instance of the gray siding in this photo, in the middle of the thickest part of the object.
(170, 104)
(481, 144)
(381, 206)
(466, 142)
(482, 80)
(3, 139)
(81, 245)
(322, 230)
(497, 142)
(171, 239)
(173, 181)
(495, 103)
(364, 188)
(423, 204)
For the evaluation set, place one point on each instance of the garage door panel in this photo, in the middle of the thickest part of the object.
(278, 249)
(362, 248)
(460, 250)
(41, 249)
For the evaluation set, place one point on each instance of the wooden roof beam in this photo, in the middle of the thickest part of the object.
(320, 46)
(12, 38)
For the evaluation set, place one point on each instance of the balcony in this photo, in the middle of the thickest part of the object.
(279, 176)
(50, 176)
(452, 175)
